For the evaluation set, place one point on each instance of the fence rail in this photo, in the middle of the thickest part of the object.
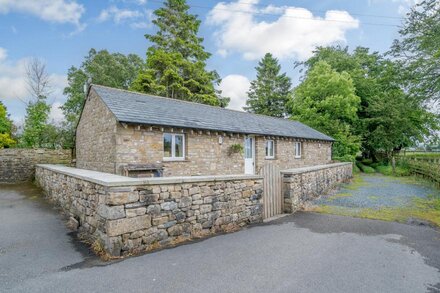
(426, 167)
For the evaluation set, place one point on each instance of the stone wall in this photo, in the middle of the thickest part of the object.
(130, 215)
(18, 165)
(303, 184)
(96, 136)
(103, 144)
(205, 155)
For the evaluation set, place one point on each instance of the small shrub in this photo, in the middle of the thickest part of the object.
(374, 165)
(365, 169)
(356, 169)
(402, 171)
(235, 148)
(384, 170)
(387, 170)
(367, 162)
(368, 170)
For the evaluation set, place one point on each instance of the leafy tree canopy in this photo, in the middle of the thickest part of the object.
(419, 50)
(104, 68)
(388, 118)
(5, 128)
(176, 61)
(270, 91)
(326, 101)
(37, 114)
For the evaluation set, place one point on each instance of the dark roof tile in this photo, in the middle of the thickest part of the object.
(132, 107)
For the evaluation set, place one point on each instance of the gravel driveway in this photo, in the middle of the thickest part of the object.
(304, 252)
(377, 191)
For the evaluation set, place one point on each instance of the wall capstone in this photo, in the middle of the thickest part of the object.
(304, 184)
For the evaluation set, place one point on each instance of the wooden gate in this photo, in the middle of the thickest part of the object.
(272, 191)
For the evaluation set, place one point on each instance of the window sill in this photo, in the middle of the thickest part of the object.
(297, 157)
(269, 158)
(174, 160)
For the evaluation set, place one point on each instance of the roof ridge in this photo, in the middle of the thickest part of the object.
(195, 103)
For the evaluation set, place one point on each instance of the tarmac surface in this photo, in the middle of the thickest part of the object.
(304, 252)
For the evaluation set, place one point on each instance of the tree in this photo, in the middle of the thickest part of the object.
(393, 119)
(37, 111)
(104, 68)
(418, 49)
(6, 140)
(326, 101)
(37, 114)
(176, 60)
(379, 83)
(269, 92)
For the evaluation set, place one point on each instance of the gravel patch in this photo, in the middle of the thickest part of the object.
(377, 191)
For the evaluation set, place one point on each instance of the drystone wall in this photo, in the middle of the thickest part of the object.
(303, 184)
(18, 165)
(128, 215)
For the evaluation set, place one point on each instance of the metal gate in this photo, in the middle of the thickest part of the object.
(272, 191)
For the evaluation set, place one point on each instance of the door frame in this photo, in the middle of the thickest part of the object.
(252, 137)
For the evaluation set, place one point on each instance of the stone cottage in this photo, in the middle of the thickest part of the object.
(141, 135)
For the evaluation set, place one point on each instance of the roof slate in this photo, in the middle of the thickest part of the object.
(132, 107)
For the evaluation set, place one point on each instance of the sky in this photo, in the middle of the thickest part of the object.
(237, 33)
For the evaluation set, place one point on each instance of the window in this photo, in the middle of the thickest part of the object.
(173, 146)
(297, 150)
(270, 150)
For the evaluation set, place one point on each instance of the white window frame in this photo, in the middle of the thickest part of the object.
(298, 150)
(173, 147)
(273, 149)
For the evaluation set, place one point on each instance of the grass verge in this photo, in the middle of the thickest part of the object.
(423, 209)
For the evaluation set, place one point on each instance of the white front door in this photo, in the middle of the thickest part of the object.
(249, 155)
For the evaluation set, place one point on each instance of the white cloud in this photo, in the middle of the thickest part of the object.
(119, 16)
(294, 34)
(3, 54)
(405, 5)
(235, 87)
(58, 11)
(56, 114)
(140, 25)
(13, 84)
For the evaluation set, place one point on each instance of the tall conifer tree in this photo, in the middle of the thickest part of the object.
(269, 92)
(176, 61)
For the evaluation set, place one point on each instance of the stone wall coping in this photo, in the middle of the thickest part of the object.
(313, 168)
(112, 180)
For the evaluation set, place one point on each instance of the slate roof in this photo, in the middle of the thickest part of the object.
(131, 107)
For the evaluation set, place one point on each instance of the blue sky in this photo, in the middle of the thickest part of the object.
(237, 33)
